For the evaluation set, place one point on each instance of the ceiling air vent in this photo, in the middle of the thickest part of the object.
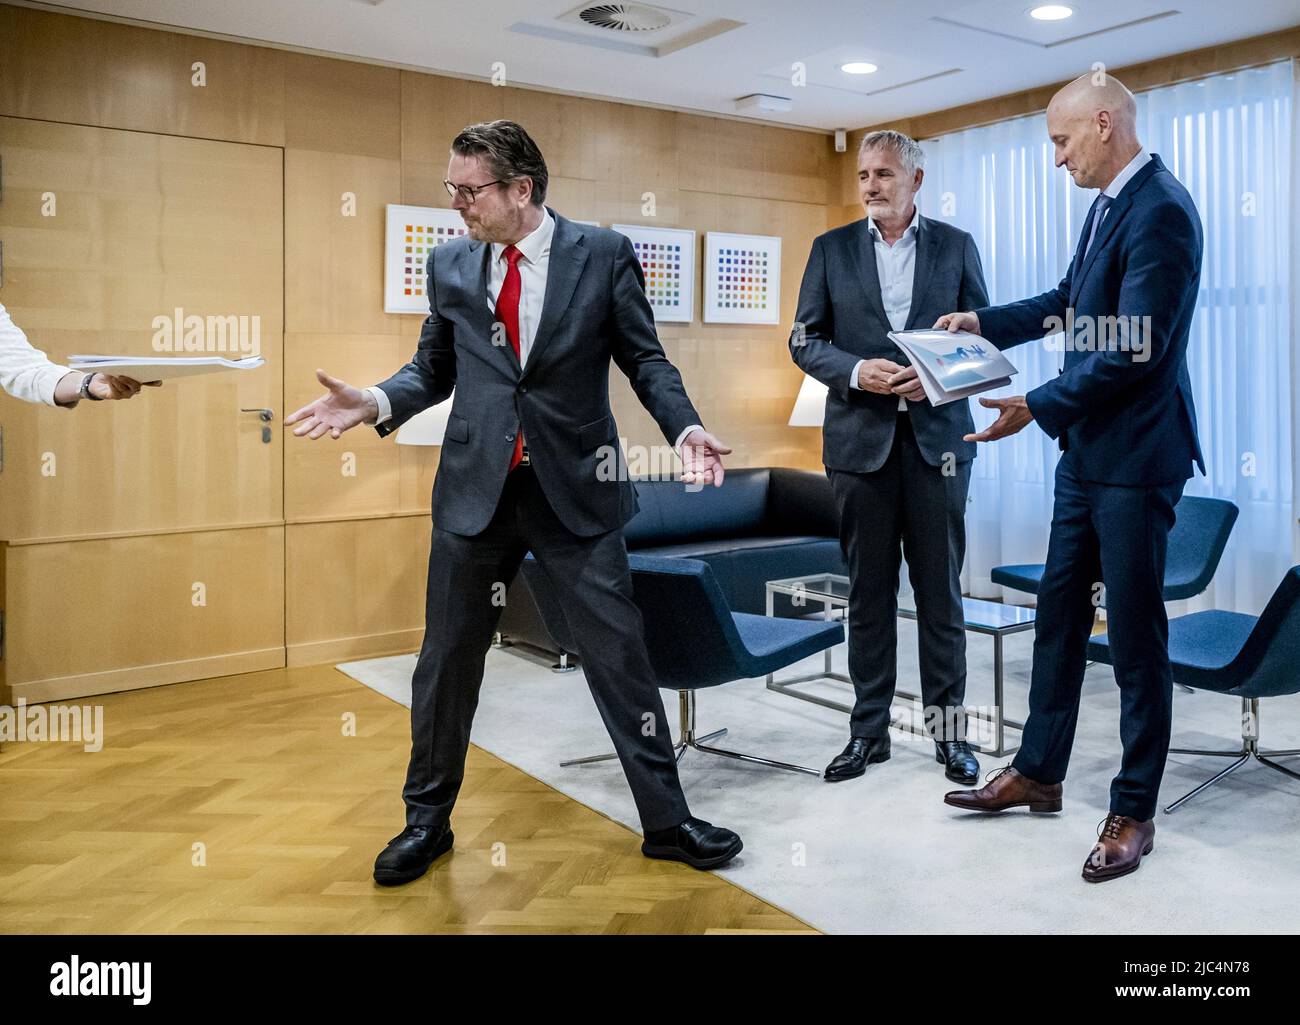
(625, 17)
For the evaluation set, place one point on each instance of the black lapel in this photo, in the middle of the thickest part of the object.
(474, 264)
(927, 251)
(568, 257)
(863, 252)
(1116, 213)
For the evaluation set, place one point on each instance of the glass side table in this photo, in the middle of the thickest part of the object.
(831, 592)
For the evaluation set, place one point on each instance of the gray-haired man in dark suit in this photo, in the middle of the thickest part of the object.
(525, 315)
(898, 466)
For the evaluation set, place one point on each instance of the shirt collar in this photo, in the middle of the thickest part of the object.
(534, 243)
(1130, 169)
(913, 226)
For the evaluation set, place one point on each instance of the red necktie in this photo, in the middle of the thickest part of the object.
(507, 312)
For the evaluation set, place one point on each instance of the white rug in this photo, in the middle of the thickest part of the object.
(883, 853)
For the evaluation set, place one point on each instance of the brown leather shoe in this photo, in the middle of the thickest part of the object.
(1121, 843)
(1006, 788)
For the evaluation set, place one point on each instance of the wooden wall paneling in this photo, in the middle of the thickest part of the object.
(740, 159)
(320, 482)
(63, 68)
(796, 167)
(635, 148)
(360, 585)
(417, 465)
(89, 617)
(575, 198)
(334, 264)
(341, 106)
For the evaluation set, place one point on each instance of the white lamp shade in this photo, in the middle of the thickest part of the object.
(810, 407)
(427, 427)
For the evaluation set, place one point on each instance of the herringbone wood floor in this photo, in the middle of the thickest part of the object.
(241, 805)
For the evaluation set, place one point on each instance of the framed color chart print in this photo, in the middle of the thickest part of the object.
(742, 279)
(411, 231)
(667, 257)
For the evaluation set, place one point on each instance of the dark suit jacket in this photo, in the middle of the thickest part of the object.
(595, 310)
(1130, 422)
(843, 320)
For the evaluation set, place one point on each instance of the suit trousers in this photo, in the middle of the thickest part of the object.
(921, 507)
(1117, 536)
(468, 580)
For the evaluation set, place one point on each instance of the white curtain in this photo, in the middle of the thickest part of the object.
(1230, 139)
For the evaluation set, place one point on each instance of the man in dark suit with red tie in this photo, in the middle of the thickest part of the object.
(525, 314)
(1122, 411)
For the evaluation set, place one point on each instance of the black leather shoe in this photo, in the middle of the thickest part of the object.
(854, 759)
(698, 843)
(410, 853)
(960, 763)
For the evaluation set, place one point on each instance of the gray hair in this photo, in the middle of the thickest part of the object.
(905, 147)
(509, 151)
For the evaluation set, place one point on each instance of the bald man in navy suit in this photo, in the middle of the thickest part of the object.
(1122, 412)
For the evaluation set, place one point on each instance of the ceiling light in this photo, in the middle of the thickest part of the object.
(1051, 12)
(858, 68)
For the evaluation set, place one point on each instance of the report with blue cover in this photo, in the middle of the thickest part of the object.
(954, 365)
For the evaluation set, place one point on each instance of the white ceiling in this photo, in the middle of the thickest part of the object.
(931, 54)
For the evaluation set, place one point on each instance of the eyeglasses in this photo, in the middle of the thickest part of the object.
(469, 193)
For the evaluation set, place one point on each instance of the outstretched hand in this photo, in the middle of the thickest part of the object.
(701, 458)
(341, 408)
(1013, 415)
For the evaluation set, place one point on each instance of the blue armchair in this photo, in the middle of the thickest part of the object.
(695, 641)
(1247, 656)
(1196, 542)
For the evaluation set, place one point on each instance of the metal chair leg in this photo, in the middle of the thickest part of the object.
(1249, 749)
(1171, 808)
(590, 759)
(686, 703)
(688, 739)
(564, 665)
(1280, 768)
(679, 749)
(756, 760)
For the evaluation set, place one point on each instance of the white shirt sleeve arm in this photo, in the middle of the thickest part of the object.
(381, 401)
(857, 369)
(677, 447)
(25, 373)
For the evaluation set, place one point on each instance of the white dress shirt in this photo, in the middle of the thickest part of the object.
(896, 269)
(1112, 191)
(534, 264)
(25, 373)
(1120, 180)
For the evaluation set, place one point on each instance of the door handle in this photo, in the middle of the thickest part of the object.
(265, 415)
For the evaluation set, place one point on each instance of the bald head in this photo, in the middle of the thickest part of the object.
(1093, 123)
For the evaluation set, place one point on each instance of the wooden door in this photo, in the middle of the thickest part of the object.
(145, 537)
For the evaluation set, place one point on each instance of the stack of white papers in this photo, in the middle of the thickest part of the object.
(954, 365)
(154, 368)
